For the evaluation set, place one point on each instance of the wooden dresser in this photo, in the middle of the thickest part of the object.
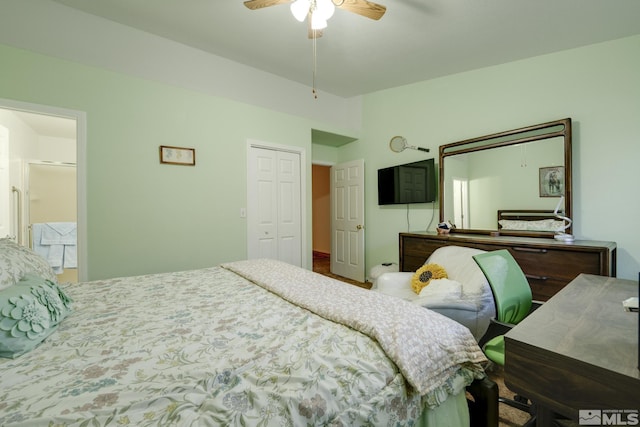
(548, 264)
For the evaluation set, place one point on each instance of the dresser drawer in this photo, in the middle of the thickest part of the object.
(548, 264)
(543, 289)
(415, 251)
(564, 265)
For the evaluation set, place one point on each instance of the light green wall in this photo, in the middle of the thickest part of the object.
(597, 86)
(324, 154)
(489, 191)
(146, 217)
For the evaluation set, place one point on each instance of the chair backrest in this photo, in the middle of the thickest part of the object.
(511, 291)
(458, 262)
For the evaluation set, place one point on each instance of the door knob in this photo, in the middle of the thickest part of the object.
(359, 227)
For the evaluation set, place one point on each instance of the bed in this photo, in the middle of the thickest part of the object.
(255, 342)
(525, 220)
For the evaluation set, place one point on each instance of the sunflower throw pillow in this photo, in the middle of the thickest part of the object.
(425, 274)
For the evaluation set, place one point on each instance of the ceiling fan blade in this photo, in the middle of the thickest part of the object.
(259, 4)
(362, 7)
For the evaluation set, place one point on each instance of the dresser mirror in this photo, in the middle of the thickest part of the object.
(509, 182)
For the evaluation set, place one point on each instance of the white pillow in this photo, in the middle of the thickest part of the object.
(442, 288)
(537, 225)
(16, 261)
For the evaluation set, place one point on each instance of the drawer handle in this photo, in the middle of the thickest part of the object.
(531, 276)
(540, 251)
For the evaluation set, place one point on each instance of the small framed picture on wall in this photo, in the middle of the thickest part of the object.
(177, 155)
(552, 181)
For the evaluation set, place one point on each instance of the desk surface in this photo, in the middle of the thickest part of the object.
(579, 350)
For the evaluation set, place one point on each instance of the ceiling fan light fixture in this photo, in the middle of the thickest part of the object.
(324, 9)
(317, 23)
(300, 9)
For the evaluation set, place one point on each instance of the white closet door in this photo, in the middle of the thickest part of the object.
(288, 195)
(274, 214)
(263, 205)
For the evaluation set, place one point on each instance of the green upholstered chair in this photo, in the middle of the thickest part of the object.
(512, 296)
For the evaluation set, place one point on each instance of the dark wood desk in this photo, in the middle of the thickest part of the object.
(579, 350)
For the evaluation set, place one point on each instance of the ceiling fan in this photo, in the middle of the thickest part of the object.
(319, 11)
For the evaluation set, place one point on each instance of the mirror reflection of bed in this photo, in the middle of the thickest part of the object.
(543, 221)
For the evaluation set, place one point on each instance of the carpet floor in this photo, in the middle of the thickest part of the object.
(509, 417)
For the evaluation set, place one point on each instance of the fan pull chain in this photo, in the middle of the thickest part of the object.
(315, 54)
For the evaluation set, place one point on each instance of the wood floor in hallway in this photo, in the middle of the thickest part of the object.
(322, 265)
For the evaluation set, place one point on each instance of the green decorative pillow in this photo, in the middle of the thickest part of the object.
(30, 311)
(16, 261)
(425, 274)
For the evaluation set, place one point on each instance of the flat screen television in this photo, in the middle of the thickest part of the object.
(409, 183)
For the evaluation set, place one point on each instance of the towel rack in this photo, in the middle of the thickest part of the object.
(18, 209)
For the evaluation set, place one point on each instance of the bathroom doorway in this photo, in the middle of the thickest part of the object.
(45, 179)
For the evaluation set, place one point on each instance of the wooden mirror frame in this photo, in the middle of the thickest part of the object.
(558, 128)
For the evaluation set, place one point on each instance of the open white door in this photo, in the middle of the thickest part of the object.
(461, 202)
(347, 220)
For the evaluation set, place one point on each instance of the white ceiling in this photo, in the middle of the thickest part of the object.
(415, 40)
(47, 125)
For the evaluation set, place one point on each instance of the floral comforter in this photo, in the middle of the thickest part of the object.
(209, 347)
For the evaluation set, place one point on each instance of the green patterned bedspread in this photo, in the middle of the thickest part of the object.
(207, 348)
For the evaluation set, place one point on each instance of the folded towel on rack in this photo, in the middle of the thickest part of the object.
(55, 257)
(36, 238)
(59, 233)
(70, 256)
(56, 242)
